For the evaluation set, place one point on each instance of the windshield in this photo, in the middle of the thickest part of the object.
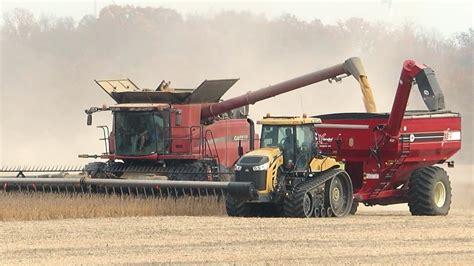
(279, 136)
(141, 133)
(296, 147)
(305, 135)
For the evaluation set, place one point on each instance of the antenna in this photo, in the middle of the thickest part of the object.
(301, 102)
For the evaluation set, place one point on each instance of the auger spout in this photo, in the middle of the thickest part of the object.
(351, 66)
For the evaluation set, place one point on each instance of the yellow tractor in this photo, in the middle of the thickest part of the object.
(290, 176)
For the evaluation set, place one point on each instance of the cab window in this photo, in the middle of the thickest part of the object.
(304, 145)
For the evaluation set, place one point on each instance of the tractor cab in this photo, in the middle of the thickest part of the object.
(294, 136)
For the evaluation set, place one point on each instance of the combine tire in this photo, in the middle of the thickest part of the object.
(95, 169)
(195, 171)
(236, 208)
(103, 170)
(429, 191)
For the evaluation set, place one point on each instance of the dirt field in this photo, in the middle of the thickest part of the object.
(161, 235)
(374, 236)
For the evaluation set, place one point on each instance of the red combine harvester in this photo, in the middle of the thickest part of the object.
(181, 134)
(192, 140)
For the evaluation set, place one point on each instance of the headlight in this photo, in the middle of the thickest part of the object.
(261, 167)
(237, 167)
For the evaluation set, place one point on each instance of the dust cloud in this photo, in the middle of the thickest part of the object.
(48, 66)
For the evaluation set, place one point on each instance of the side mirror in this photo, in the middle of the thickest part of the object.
(89, 119)
(240, 149)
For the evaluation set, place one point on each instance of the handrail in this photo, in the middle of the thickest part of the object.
(214, 143)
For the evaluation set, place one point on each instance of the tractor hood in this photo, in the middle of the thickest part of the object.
(260, 156)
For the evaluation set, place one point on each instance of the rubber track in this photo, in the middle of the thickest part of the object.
(293, 205)
(420, 193)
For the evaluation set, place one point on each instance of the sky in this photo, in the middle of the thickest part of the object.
(444, 17)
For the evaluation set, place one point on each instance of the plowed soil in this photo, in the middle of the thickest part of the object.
(371, 236)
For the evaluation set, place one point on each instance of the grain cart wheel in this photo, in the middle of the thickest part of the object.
(237, 208)
(429, 191)
(338, 194)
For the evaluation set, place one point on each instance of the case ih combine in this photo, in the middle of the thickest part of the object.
(167, 142)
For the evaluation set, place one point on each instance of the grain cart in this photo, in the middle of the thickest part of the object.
(327, 164)
(392, 157)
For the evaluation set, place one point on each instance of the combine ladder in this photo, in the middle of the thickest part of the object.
(215, 169)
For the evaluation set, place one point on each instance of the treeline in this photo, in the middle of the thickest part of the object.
(48, 63)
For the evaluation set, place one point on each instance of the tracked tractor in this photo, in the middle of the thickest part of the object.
(291, 177)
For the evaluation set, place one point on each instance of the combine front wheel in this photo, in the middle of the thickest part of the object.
(429, 191)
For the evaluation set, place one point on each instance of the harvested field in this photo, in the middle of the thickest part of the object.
(155, 231)
(368, 237)
(44, 206)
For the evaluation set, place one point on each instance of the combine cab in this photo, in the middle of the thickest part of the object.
(160, 133)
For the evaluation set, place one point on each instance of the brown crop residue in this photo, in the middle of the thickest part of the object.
(39, 206)
(369, 237)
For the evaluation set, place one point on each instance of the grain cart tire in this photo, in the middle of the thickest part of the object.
(237, 208)
(429, 191)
